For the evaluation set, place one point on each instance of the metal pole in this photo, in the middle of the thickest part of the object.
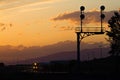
(81, 22)
(101, 22)
(78, 47)
(102, 17)
(101, 51)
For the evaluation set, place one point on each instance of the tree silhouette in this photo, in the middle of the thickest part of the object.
(114, 34)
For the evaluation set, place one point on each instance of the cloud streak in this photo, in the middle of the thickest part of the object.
(11, 4)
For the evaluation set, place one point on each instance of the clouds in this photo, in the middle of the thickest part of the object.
(90, 17)
(16, 53)
(12, 54)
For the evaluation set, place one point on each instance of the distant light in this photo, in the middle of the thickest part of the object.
(35, 64)
(34, 67)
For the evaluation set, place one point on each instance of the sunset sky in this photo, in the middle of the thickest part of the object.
(44, 22)
(36, 28)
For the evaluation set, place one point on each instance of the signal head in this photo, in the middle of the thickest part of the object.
(102, 7)
(82, 8)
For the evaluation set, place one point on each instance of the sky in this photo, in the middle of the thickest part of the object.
(45, 22)
(30, 28)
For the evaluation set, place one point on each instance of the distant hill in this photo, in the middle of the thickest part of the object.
(86, 54)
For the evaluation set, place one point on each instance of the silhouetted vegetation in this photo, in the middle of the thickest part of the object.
(114, 34)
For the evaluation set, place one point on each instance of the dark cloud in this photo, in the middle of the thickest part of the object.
(73, 16)
(10, 25)
(4, 26)
(90, 17)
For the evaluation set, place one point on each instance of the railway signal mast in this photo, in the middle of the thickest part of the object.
(82, 32)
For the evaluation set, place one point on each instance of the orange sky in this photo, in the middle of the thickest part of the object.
(32, 22)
